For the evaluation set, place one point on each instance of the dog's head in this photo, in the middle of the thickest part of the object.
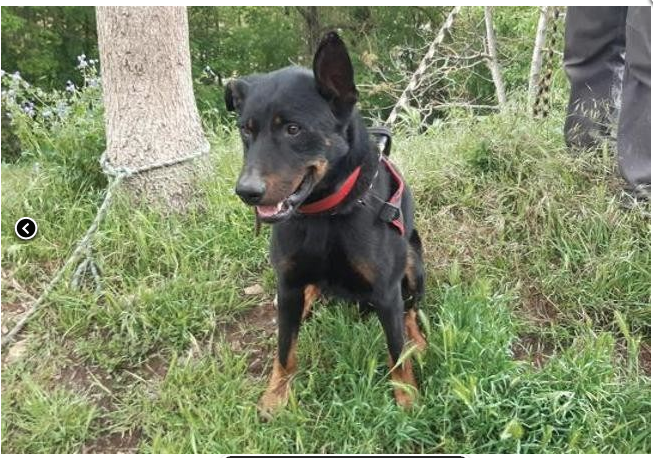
(293, 124)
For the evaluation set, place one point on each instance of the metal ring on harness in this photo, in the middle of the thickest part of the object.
(383, 136)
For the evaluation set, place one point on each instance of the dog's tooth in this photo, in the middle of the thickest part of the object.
(279, 205)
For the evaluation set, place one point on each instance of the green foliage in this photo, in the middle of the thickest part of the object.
(58, 421)
(386, 45)
(508, 219)
(538, 281)
(43, 42)
(61, 128)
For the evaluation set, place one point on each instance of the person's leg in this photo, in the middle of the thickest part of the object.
(593, 60)
(634, 134)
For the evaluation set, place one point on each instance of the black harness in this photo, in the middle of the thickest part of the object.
(390, 211)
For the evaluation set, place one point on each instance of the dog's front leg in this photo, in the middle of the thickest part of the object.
(390, 310)
(289, 312)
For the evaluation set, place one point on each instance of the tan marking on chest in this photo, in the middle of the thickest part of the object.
(365, 269)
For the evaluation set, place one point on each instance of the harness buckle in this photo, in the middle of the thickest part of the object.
(389, 212)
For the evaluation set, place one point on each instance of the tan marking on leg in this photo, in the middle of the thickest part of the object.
(409, 271)
(311, 292)
(412, 330)
(278, 390)
(365, 270)
(403, 375)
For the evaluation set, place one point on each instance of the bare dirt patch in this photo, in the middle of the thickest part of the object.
(250, 333)
(104, 389)
(645, 358)
(533, 348)
(156, 367)
(537, 308)
(125, 442)
(15, 300)
(79, 377)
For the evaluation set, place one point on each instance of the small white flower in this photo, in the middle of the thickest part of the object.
(62, 109)
(28, 109)
(16, 76)
(82, 61)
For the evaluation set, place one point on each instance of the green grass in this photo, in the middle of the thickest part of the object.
(526, 246)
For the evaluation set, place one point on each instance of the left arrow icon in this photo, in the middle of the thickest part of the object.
(25, 228)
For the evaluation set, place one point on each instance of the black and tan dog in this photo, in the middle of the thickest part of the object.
(343, 218)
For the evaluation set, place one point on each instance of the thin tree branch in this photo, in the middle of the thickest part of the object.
(414, 80)
(493, 61)
(536, 61)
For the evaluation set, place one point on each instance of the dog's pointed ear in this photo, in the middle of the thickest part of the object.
(234, 94)
(334, 74)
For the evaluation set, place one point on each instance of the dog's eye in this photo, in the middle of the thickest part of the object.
(292, 129)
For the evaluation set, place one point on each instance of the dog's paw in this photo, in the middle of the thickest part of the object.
(271, 403)
(405, 396)
(404, 384)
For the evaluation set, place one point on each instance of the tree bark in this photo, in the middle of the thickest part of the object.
(493, 60)
(311, 15)
(536, 61)
(150, 111)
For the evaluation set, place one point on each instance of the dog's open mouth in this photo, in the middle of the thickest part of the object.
(282, 210)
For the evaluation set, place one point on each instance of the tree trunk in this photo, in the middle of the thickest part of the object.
(493, 59)
(536, 61)
(150, 111)
(311, 16)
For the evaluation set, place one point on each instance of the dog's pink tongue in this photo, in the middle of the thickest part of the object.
(267, 210)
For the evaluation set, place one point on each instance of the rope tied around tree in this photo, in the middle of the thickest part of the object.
(83, 249)
(542, 104)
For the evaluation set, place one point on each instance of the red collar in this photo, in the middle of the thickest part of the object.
(334, 199)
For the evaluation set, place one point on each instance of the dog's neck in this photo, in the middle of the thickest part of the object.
(362, 153)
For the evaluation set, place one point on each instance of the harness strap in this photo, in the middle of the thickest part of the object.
(391, 210)
(384, 138)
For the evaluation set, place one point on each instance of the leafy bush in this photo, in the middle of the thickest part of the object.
(63, 128)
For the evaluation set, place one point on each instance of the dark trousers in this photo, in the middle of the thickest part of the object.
(607, 59)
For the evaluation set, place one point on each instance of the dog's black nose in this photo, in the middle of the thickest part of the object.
(250, 190)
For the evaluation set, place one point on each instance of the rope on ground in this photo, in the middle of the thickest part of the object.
(83, 247)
